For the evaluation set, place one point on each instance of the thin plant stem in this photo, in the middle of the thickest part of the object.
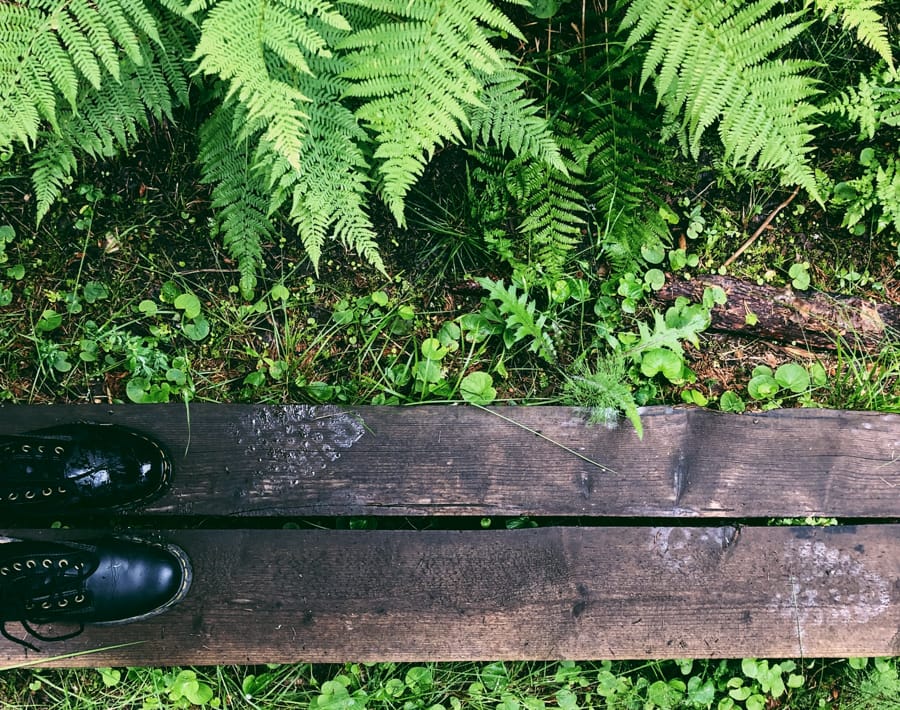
(545, 438)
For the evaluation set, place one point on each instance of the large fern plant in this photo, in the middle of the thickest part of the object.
(339, 98)
(726, 63)
(317, 106)
(79, 77)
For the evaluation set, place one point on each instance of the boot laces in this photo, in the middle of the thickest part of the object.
(34, 589)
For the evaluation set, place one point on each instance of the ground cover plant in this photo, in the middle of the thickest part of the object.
(393, 202)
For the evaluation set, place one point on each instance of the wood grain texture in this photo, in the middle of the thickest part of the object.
(549, 593)
(249, 460)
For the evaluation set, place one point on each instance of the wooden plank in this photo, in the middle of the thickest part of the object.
(546, 593)
(254, 460)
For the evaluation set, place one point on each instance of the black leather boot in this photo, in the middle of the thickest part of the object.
(79, 467)
(96, 582)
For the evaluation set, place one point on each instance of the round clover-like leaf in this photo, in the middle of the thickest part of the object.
(95, 291)
(731, 402)
(655, 279)
(799, 274)
(188, 303)
(433, 350)
(148, 307)
(478, 388)
(429, 371)
(662, 360)
(280, 292)
(137, 389)
(793, 377)
(762, 387)
(49, 320)
(818, 374)
(544, 9)
(761, 370)
(653, 253)
(196, 329)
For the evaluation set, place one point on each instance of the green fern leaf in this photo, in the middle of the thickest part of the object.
(259, 48)
(80, 49)
(553, 211)
(58, 65)
(328, 197)
(48, 47)
(862, 16)
(240, 194)
(419, 75)
(603, 391)
(887, 190)
(99, 39)
(622, 172)
(52, 170)
(306, 145)
(870, 104)
(508, 118)
(714, 61)
(521, 318)
(108, 120)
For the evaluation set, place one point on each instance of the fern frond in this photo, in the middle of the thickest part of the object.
(239, 195)
(623, 171)
(508, 118)
(418, 76)
(870, 104)
(715, 61)
(257, 48)
(521, 318)
(108, 120)
(305, 143)
(862, 16)
(603, 391)
(328, 197)
(887, 190)
(48, 47)
(52, 170)
(554, 211)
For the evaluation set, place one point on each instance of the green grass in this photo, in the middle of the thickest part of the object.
(861, 684)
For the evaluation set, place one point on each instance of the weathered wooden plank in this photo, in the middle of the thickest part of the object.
(446, 460)
(547, 593)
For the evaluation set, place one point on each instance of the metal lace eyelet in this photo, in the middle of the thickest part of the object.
(59, 450)
(4, 571)
(17, 566)
(62, 603)
(46, 605)
(47, 492)
(29, 494)
(31, 564)
(47, 564)
(63, 563)
(12, 496)
(29, 606)
(79, 598)
(26, 448)
(61, 489)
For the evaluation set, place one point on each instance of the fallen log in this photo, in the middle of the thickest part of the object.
(815, 320)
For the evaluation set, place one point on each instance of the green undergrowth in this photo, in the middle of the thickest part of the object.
(304, 221)
(751, 684)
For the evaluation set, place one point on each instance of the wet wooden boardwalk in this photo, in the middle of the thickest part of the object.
(324, 534)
